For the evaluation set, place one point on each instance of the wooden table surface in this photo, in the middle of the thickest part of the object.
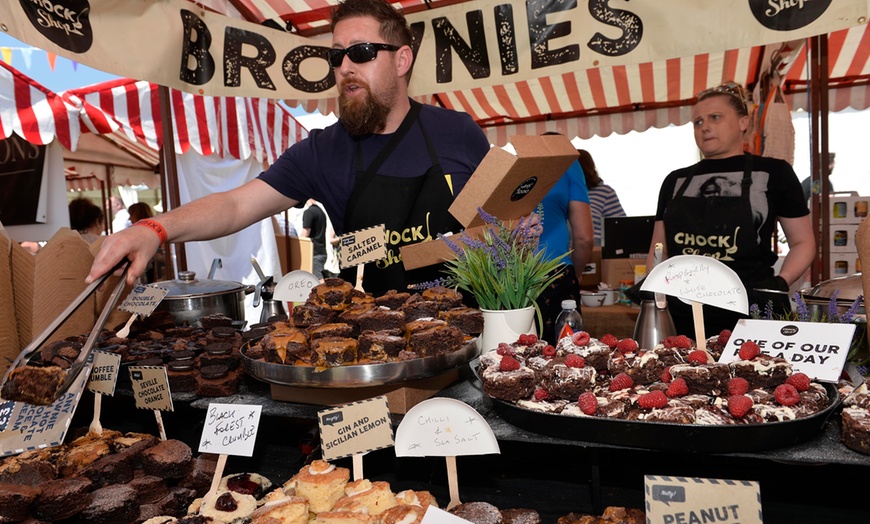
(616, 320)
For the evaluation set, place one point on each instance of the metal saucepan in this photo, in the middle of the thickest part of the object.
(190, 299)
(850, 287)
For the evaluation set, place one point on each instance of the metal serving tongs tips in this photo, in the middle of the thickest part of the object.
(42, 385)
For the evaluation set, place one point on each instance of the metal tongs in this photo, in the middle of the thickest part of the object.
(73, 371)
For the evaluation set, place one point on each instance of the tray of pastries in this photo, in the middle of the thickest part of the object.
(673, 397)
(342, 337)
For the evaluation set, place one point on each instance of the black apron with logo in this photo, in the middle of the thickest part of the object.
(723, 227)
(413, 209)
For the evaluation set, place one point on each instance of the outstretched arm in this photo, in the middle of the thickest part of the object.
(213, 216)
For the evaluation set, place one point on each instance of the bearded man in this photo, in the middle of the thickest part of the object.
(388, 160)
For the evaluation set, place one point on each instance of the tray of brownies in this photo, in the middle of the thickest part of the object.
(673, 397)
(342, 337)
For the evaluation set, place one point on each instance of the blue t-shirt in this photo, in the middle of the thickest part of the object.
(324, 165)
(570, 188)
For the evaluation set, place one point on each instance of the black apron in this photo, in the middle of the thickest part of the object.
(725, 223)
(413, 209)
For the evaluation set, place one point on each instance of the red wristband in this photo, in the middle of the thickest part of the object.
(155, 226)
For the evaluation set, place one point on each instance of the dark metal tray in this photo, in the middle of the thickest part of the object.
(358, 375)
(671, 437)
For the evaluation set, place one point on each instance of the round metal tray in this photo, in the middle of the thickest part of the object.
(358, 375)
(663, 436)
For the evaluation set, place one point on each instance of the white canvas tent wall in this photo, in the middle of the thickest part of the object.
(220, 143)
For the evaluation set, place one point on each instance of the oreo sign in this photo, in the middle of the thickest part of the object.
(787, 15)
(64, 22)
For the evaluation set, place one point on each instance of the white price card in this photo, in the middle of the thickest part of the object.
(355, 428)
(815, 348)
(151, 388)
(681, 500)
(695, 278)
(25, 427)
(362, 246)
(230, 429)
(295, 286)
(444, 427)
(143, 299)
(104, 374)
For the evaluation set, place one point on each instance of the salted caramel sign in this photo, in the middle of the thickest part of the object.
(362, 246)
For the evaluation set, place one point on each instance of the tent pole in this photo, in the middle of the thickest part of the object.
(169, 174)
(820, 202)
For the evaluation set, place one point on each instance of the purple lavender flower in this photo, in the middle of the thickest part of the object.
(833, 315)
(453, 245)
(802, 309)
(755, 311)
(489, 219)
(849, 315)
(768, 310)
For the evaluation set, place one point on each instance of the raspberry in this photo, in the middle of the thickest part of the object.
(652, 400)
(800, 381)
(739, 405)
(668, 342)
(580, 338)
(621, 381)
(699, 356)
(504, 349)
(541, 394)
(678, 388)
(627, 345)
(549, 351)
(749, 350)
(508, 363)
(666, 375)
(588, 403)
(682, 341)
(575, 361)
(610, 340)
(523, 340)
(724, 337)
(786, 394)
(738, 386)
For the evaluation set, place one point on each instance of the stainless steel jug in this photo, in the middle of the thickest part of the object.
(653, 324)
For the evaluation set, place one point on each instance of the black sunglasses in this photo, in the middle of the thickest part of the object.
(358, 53)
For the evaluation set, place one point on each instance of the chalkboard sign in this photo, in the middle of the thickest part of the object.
(21, 166)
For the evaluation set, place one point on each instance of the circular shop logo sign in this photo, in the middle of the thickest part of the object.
(524, 188)
(64, 22)
(787, 15)
(789, 330)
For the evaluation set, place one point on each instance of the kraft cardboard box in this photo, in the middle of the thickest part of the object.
(44, 284)
(505, 185)
(9, 347)
(842, 264)
(848, 208)
(842, 238)
(592, 272)
(615, 270)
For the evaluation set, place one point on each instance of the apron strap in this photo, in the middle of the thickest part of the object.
(363, 180)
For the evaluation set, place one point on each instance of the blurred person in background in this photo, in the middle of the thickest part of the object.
(87, 218)
(120, 215)
(603, 200)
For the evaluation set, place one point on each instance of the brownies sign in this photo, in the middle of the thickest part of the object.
(467, 45)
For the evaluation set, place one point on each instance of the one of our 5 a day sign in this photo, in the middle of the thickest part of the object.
(814, 348)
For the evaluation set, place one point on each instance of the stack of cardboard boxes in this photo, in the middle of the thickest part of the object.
(847, 211)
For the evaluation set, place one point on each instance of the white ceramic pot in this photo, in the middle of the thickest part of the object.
(505, 326)
(610, 296)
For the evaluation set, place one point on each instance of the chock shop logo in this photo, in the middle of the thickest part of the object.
(64, 22)
(787, 15)
(524, 188)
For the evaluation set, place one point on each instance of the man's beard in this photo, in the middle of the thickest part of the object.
(362, 115)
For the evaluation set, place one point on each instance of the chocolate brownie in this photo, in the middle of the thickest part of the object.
(445, 297)
(335, 351)
(565, 382)
(34, 385)
(217, 381)
(855, 431)
(520, 516)
(62, 498)
(215, 320)
(436, 341)
(511, 385)
(115, 504)
(392, 299)
(168, 459)
(331, 329)
(176, 501)
(478, 512)
(200, 476)
(643, 368)
(30, 468)
(181, 375)
(15, 501)
(379, 346)
(150, 488)
(309, 314)
(416, 308)
(763, 371)
(334, 293)
(704, 379)
(111, 469)
(381, 319)
(468, 320)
